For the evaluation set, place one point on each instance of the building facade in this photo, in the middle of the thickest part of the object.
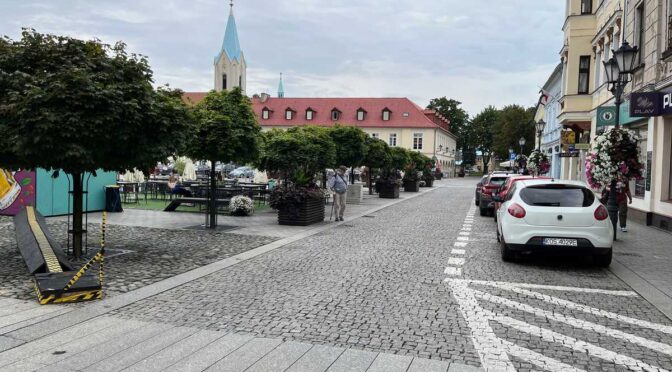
(397, 121)
(548, 111)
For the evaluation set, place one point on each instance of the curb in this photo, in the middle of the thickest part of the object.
(92, 310)
(653, 295)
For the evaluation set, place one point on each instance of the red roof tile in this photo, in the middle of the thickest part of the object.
(192, 98)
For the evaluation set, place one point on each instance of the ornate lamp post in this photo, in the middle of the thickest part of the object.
(618, 70)
(521, 142)
(540, 129)
(510, 160)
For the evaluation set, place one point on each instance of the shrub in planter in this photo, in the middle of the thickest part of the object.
(388, 187)
(241, 205)
(300, 206)
(411, 180)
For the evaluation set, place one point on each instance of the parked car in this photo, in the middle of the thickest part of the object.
(242, 172)
(504, 189)
(490, 186)
(479, 186)
(550, 215)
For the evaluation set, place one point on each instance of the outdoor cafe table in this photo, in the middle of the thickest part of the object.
(129, 188)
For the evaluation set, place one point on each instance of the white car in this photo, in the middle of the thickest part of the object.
(551, 215)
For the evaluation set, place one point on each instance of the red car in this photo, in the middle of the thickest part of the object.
(479, 187)
(504, 189)
(490, 185)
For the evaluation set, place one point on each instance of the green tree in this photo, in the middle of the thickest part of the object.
(350, 146)
(459, 119)
(514, 122)
(297, 154)
(377, 156)
(399, 158)
(225, 130)
(79, 106)
(483, 125)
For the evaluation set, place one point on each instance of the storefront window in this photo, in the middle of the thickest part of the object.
(638, 187)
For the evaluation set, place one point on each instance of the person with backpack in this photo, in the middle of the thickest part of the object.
(338, 184)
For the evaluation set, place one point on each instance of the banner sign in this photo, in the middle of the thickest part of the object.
(569, 154)
(606, 115)
(648, 104)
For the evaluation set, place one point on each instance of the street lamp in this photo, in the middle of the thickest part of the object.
(521, 142)
(510, 160)
(540, 129)
(618, 70)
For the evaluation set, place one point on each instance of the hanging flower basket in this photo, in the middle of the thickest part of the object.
(538, 163)
(614, 156)
(521, 160)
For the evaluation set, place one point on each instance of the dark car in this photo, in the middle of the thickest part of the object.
(491, 185)
(504, 189)
(479, 186)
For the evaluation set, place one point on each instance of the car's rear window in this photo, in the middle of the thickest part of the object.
(497, 180)
(557, 196)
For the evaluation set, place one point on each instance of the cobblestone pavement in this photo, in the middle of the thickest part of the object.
(137, 256)
(424, 278)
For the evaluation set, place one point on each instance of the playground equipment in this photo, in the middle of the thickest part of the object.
(55, 279)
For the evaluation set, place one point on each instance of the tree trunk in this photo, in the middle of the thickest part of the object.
(213, 196)
(352, 175)
(370, 185)
(77, 213)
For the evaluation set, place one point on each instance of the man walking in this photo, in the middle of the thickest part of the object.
(338, 184)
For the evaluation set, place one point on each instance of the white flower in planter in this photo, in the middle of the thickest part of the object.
(241, 206)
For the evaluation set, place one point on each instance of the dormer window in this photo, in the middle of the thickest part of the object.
(289, 114)
(405, 114)
(386, 114)
(265, 113)
(335, 114)
(309, 114)
(361, 114)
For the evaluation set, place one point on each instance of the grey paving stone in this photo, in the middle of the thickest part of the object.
(22, 366)
(175, 352)
(25, 314)
(428, 365)
(7, 343)
(149, 347)
(211, 354)
(353, 360)
(246, 355)
(28, 349)
(457, 367)
(102, 351)
(281, 358)
(318, 358)
(390, 363)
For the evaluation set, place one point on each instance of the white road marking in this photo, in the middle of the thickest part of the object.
(494, 351)
(460, 244)
(456, 261)
(578, 323)
(466, 228)
(465, 233)
(454, 271)
(458, 251)
(463, 238)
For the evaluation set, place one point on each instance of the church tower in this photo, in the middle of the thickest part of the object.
(230, 66)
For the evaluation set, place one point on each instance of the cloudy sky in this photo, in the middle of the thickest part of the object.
(480, 52)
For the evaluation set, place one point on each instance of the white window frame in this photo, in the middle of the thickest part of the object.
(375, 135)
(309, 114)
(288, 114)
(417, 141)
(392, 140)
(335, 115)
(265, 114)
(360, 115)
(386, 115)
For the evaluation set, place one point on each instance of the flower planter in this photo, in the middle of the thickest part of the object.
(438, 176)
(355, 193)
(429, 183)
(308, 213)
(388, 191)
(411, 186)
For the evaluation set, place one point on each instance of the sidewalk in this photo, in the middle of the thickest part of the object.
(643, 260)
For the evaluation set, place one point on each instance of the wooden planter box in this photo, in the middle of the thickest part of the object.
(410, 186)
(312, 211)
(388, 191)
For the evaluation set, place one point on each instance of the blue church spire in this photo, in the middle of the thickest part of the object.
(281, 88)
(231, 45)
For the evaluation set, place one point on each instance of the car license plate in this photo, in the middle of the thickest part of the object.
(561, 242)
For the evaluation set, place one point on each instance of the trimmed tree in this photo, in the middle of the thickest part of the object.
(79, 106)
(225, 130)
(350, 147)
(377, 157)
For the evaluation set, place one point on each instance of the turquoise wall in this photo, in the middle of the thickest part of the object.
(52, 193)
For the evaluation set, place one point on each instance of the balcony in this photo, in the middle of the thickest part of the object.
(575, 108)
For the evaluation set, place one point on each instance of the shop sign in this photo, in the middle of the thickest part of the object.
(582, 146)
(648, 104)
(606, 115)
(574, 154)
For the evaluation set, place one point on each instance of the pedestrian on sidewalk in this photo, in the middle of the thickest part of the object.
(338, 184)
(623, 197)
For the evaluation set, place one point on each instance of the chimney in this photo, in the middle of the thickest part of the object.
(264, 97)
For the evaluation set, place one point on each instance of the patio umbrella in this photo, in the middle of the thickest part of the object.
(189, 170)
